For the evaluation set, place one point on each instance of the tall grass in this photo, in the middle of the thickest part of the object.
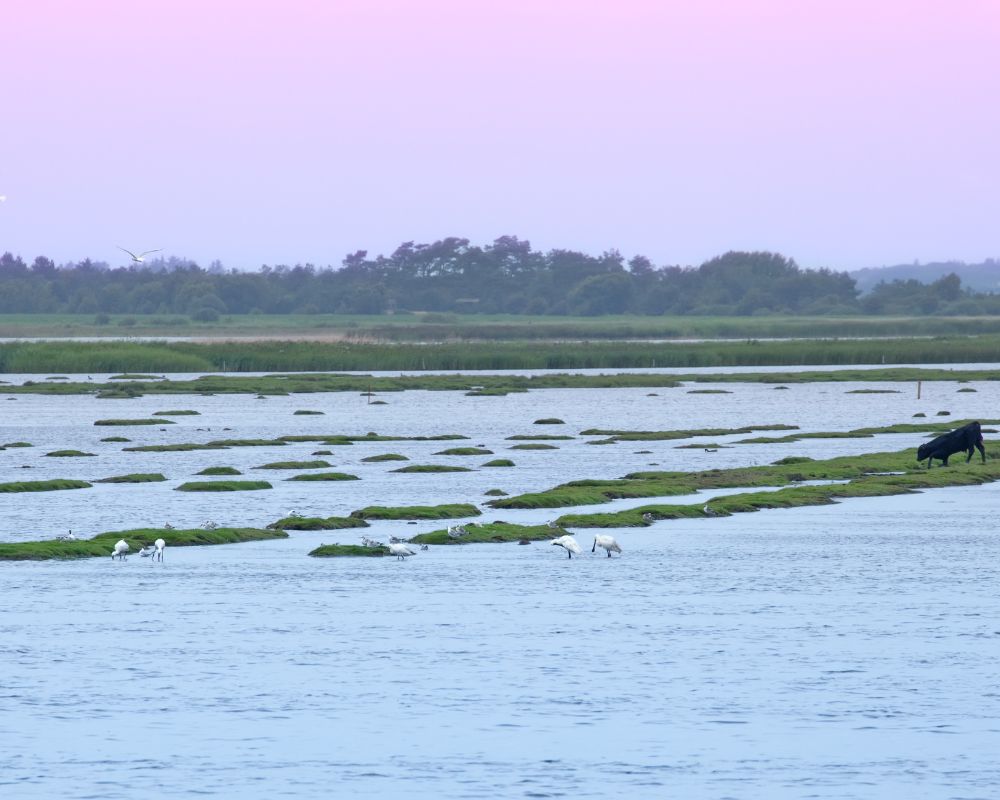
(79, 357)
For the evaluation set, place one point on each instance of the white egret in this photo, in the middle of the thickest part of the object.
(121, 550)
(401, 551)
(138, 259)
(607, 542)
(569, 544)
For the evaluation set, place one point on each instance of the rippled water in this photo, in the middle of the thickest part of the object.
(835, 652)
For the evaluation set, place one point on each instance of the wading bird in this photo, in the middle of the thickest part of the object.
(607, 542)
(120, 551)
(708, 512)
(159, 544)
(401, 551)
(138, 259)
(569, 544)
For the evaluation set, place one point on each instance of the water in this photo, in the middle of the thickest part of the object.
(834, 652)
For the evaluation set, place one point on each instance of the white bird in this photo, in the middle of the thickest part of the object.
(647, 517)
(293, 514)
(607, 542)
(147, 551)
(401, 551)
(3, 198)
(167, 526)
(159, 544)
(121, 550)
(709, 512)
(208, 525)
(138, 259)
(66, 537)
(553, 524)
(569, 544)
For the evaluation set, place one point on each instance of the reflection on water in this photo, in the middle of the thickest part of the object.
(837, 651)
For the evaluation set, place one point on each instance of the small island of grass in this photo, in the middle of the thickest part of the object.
(499, 462)
(68, 454)
(42, 486)
(349, 550)
(478, 533)
(115, 439)
(136, 477)
(530, 446)
(305, 412)
(222, 486)
(324, 476)
(464, 451)
(220, 471)
(549, 421)
(318, 523)
(432, 468)
(184, 412)
(295, 465)
(450, 511)
(134, 422)
(385, 457)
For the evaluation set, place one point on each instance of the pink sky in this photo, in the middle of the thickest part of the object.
(845, 133)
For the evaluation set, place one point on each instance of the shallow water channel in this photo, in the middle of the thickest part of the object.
(834, 652)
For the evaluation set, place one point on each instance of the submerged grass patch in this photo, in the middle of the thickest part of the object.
(529, 446)
(432, 468)
(305, 412)
(135, 477)
(134, 422)
(499, 462)
(102, 544)
(115, 439)
(464, 451)
(324, 476)
(318, 523)
(68, 454)
(448, 511)
(183, 412)
(320, 464)
(220, 471)
(385, 457)
(55, 485)
(222, 486)
(650, 436)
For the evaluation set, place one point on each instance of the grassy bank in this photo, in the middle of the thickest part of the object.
(452, 511)
(90, 357)
(102, 544)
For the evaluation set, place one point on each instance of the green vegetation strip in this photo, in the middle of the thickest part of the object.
(220, 471)
(529, 446)
(219, 444)
(386, 457)
(867, 433)
(784, 473)
(134, 422)
(499, 462)
(349, 551)
(138, 477)
(464, 451)
(222, 486)
(542, 437)
(68, 454)
(42, 486)
(180, 413)
(491, 532)
(432, 468)
(651, 436)
(295, 465)
(318, 523)
(452, 511)
(324, 476)
(102, 544)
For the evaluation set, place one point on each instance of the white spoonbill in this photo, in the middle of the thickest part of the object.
(607, 542)
(569, 544)
(400, 550)
(121, 550)
(159, 544)
(138, 259)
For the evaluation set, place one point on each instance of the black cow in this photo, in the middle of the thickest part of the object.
(968, 439)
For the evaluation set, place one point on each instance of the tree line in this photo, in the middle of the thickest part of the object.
(452, 275)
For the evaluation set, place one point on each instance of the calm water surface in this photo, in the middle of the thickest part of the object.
(833, 652)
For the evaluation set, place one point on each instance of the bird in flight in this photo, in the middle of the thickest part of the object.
(138, 259)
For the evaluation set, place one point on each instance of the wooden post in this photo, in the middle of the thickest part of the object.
(918, 389)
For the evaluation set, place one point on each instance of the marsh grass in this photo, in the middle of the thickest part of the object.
(319, 464)
(464, 451)
(102, 544)
(447, 511)
(349, 551)
(115, 439)
(530, 446)
(324, 476)
(542, 437)
(480, 533)
(549, 421)
(385, 457)
(17, 444)
(652, 436)
(134, 422)
(68, 454)
(179, 413)
(665, 484)
(318, 523)
(432, 468)
(220, 471)
(302, 412)
(136, 477)
(222, 486)
(499, 462)
(55, 485)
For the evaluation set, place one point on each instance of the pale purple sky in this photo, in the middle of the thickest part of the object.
(840, 133)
